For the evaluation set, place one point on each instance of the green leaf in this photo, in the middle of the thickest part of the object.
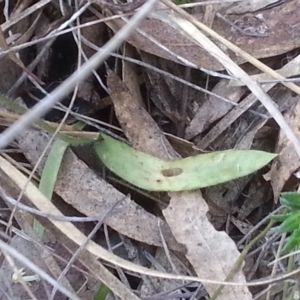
(290, 199)
(50, 172)
(49, 176)
(102, 293)
(292, 243)
(154, 174)
(52, 167)
(281, 217)
(291, 223)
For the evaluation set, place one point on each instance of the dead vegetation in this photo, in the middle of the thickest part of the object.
(181, 81)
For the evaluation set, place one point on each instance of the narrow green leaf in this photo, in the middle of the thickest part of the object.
(52, 167)
(49, 176)
(292, 243)
(102, 292)
(290, 199)
(50, 172)
(291, 223)
(281, 217)
(154, 174)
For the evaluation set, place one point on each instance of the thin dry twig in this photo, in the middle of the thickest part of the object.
(83, 245)
(14, 253)
(36, 212)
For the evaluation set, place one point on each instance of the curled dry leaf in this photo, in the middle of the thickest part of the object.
(288, 161)
(130, 75)
(211, 253)
(282, 36)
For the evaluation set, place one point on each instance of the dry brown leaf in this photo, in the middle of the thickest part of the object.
(288, 161)
(129, 74)
(133, 117)
(213, 109)
(282, 36)
(211, 253)
(79, 186)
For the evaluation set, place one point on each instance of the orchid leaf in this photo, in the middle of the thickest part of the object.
(154, 174)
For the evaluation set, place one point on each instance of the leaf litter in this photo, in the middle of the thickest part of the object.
(183, 205)
(179, 230)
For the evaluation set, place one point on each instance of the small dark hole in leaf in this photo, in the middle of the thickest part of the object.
(172, 172)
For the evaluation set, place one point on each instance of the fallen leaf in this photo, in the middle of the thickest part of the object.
(213, 108)
(128, 109)
(282, 37)
(287, 161)
(283, 98)
(212, 253)
(130, 74)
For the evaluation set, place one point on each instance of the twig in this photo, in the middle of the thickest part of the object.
(14, 253)
(126, 7)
